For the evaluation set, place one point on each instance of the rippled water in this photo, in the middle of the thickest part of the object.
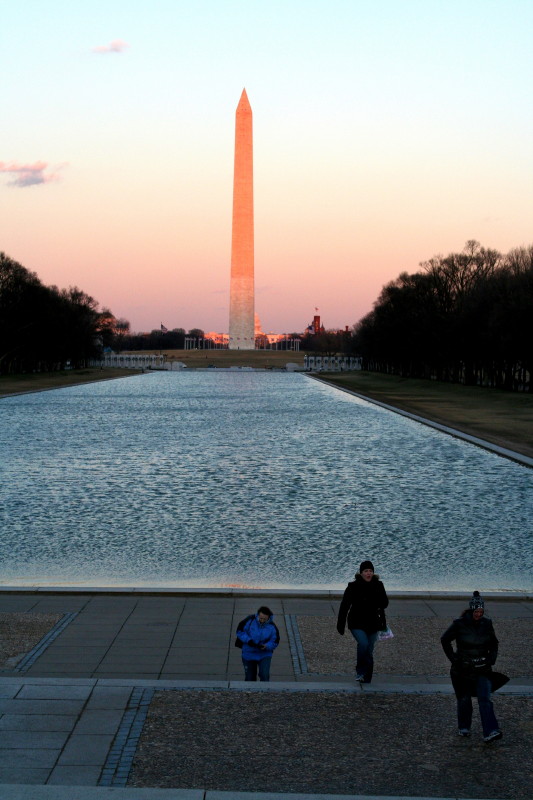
(254, 479)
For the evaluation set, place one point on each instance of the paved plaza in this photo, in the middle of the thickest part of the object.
(73, 710)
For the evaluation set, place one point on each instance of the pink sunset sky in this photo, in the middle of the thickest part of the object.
(384, 133)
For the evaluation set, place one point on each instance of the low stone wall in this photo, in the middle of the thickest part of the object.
(332, 363)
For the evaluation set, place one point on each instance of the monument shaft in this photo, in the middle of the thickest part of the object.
(241, 313)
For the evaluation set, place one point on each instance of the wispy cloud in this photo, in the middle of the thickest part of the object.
(267, 289)
(116, 46)
(30, 174)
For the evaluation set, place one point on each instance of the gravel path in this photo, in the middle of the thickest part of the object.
(415, 649)
(20, 632)
(331, 742)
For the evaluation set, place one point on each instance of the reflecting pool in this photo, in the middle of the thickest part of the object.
(249, 479)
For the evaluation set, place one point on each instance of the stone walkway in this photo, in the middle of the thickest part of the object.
(71, 714)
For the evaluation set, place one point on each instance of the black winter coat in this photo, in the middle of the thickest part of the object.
(362, 602)
(475, 654)
(476, 643)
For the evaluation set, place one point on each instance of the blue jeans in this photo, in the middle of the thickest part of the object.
(365, 648)
(486, 710)
(252, 667)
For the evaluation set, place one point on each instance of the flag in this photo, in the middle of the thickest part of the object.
(163, 329)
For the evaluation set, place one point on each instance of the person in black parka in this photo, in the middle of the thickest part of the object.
(471, 671)
(363, 604)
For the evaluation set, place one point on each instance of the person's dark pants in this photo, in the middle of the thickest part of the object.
(365, 649)
(251, 668)
(486, 710)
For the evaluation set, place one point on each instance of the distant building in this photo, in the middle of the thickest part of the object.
(267, 341)
(315, 327)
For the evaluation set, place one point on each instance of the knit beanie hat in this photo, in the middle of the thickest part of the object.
(476, 601)
(366, 565)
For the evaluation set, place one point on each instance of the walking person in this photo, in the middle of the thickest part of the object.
(362, 607)
(471, 671)
(258, 636)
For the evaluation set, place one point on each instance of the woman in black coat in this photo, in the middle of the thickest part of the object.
(363, 604)
(471, 670)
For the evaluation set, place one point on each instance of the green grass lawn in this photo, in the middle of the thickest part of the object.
(39, 381)
(261, 359)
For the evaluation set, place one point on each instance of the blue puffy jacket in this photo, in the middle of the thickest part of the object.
(266, 633)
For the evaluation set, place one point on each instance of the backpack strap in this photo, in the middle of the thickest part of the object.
(240, 627)
(242, 623)
(277, 632)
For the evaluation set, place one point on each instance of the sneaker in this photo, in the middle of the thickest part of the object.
(493, 736)
(360, 678)
(464, 731)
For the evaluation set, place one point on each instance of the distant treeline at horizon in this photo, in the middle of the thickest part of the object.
(43, 328)
(466, 317)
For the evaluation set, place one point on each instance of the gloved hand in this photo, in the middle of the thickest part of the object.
(252, 643)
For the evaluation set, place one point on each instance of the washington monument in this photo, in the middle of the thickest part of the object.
(241, 304)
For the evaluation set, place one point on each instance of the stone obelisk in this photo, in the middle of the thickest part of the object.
(241, 307)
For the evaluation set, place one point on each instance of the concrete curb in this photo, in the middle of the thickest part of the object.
(25, 792)
(350, 687)
(310, 594)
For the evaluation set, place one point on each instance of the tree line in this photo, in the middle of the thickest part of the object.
(157, 339)
(466, 318)
(43, 328)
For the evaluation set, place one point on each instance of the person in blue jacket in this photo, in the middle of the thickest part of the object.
(259, 636)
